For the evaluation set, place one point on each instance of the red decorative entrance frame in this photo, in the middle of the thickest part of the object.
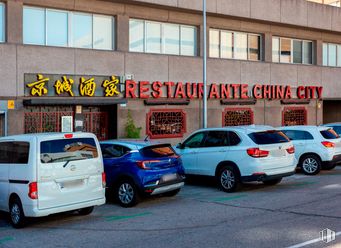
(166, 123)
(294, 116)
(237, 120)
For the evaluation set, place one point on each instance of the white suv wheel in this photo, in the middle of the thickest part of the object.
(228, 179)
(311, 165)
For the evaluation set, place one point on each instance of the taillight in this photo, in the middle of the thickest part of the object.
(68, 135)
(291, 150)
(104, 182)
(146, 165)
(328, 144)
(257, 153)
(33, 190)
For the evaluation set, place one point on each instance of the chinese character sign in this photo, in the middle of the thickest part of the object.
(52, 85)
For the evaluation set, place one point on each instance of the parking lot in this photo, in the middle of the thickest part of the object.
(291, 213)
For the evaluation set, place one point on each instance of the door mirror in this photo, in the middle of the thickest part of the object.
(179, 146)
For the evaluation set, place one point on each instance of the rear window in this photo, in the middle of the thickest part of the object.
(14, 152)
(268, 137)
(329, 134)
(157, 151)
(67, 150)
(337, 129)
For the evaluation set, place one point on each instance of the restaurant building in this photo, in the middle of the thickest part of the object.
(72, 65)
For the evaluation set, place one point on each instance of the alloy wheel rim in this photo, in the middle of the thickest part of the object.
(310, 165)
(227, 179)
(126, 193)
(15, 213)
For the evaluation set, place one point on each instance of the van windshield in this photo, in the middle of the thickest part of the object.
(268, 137)
(67, 150)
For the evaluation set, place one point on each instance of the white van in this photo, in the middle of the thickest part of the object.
(43, 174)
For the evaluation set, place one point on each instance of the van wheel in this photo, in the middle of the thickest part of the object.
(16, 213)
(228, 179)
(126, 193)
(86, 211)
(310, 164)
(273, 181)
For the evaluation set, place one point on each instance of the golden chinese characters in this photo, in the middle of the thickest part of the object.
(64, 86)
(38, 87)
(110, 86)
(87, 87)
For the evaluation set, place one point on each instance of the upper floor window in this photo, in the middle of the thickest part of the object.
(234, 45)
(331, 54)
(286, 50)
(52, 27)
(164, 38)
(2, 22)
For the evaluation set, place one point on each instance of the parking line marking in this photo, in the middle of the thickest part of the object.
(6, 239)
(309, 242)
(221, 199)
(124, 217)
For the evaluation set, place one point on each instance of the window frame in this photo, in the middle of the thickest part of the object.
(237, 109)
(162, 41)
(70, 36)
(337, 57)
(260, 36)
(293, 109)
(3, 31)
(160, 136)
(292, 51)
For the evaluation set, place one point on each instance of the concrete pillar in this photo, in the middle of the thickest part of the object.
(267, 47)
(14, 20)
(317, 52)
(122, 33)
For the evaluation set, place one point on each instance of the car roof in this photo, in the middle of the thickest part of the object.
(304, 127)
(53, 135)
(135, 144)
(332, 124)
(245, 129)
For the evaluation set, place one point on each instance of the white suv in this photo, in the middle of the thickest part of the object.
(238, 154)
(315, 147)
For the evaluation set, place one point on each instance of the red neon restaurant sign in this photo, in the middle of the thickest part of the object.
(145, 89)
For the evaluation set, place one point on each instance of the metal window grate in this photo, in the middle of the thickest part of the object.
(97, 123)
(170, 123)
(237, 116)
(294, 116)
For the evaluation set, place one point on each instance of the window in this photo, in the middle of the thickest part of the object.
(166, 123)
(64, 150)
(157, 151)
(329, 134)
(234, 45)
(237, 116)
(113, 151)
(233, 138)
(164, 38)
(331, 54)
(268, 137)
(286, 50)
(195, 140)
(298, 135)
(15, 152)
(216, 138)
(2, 22)
(294, 116)
(52, 27)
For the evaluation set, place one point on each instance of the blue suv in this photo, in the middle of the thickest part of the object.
(134, 169)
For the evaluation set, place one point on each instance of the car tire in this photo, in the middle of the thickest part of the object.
(228, 179)
(86, 211)
(328, 166)
(310, 164)
(127, 194)
(172, 193)
(273, 181)
(16, 213)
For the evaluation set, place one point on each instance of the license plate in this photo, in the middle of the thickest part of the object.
(278, 153)
(71, 184)
(169, 177)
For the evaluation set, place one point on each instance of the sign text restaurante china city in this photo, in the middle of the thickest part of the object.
(65, 85)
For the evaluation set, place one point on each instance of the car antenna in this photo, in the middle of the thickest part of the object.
(146, 139)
